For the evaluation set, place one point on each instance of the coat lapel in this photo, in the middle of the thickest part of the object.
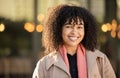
(61, 64)
(58, 62)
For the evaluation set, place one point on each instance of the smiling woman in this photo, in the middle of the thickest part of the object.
(70, 38)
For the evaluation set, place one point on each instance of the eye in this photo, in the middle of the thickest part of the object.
(80, 27)
(68, 26)
(81, 23)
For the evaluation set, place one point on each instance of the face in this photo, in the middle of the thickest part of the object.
(73, 33)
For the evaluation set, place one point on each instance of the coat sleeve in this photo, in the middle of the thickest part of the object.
(107, 69)
(38, 71)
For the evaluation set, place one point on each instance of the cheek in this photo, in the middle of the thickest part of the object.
(65, 31)
(64, 34)
(82, 34)
(83, 31)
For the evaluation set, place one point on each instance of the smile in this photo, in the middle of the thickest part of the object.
(73, 38)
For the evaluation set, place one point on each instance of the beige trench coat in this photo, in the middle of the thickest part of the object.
(53, 66)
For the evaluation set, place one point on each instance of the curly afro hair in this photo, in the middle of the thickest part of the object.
(56, 18)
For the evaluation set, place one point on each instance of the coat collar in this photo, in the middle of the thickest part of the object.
(57, 61)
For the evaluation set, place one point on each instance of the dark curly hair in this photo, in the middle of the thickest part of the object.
(56, 18)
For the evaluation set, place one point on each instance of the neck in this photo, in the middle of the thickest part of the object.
(71, 50)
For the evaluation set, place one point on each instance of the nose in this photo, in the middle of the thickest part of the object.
(74, 30)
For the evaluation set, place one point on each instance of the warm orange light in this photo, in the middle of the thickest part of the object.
(2, 27)
(113, 34)
(40, 17)
(104, 28)
(29, 27)
(109, 27)
(118, 34)
(39, 28)
(114, 25)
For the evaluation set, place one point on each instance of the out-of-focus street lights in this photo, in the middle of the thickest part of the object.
(114, 28)
(30, 27)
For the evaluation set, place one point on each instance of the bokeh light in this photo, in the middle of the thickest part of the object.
(114, 25)
(109, 27)
(2, 27)
(29, 27)
(40, 17)
(104, 28)
(39, 28)
(118, 34)
(113, 34)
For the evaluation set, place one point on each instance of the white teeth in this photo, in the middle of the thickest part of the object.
(73, 38)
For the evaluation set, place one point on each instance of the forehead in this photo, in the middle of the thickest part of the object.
(74, 21)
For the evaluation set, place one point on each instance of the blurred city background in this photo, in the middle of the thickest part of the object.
(21, 25)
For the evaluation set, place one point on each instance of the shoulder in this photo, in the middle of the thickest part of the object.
(102, 61)
(99, 53)
(96, 53)
(106, 65)
(47, 60)
(43, 64)
(99, 56)
(49, 56)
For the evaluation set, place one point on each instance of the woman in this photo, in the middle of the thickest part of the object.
(70, 38)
